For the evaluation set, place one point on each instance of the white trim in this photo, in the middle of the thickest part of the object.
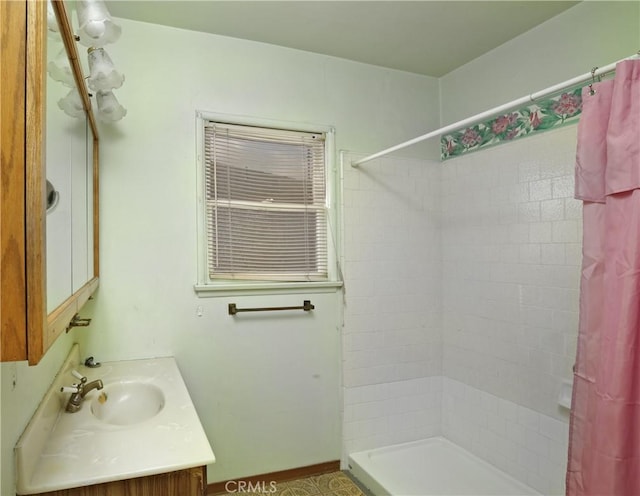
(252, 288)
(501, 109)
(244, 120)
(333, 213)
(200, 200)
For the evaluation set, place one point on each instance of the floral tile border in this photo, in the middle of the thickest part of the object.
(537, 117)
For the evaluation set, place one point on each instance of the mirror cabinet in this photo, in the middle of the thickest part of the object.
(49, 195)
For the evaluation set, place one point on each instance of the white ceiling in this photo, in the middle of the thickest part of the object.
(425, 37)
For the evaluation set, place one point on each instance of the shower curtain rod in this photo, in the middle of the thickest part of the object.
(574, 82)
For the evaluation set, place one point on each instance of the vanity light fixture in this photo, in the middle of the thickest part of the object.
(72, 104)
(96, 28)
(52, 22)
(109, 109)
(60, 70)
(103, 75)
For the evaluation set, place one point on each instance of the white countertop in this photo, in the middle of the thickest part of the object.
(60, 450)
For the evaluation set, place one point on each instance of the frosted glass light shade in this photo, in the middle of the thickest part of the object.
(103, 75)
(72, 104)
(109, 109)
(60, 70)
(52, 21)
(96, 28)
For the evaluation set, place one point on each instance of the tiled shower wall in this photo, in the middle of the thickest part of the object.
(392, 346)
(511, 248)
(526, 444)
(511, 252)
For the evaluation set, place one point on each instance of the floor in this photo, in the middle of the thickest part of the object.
(331, 484)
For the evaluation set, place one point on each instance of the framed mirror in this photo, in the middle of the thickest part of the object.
(66, 152)
(71, 167)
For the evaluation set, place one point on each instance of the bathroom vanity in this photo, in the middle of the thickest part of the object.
(138, 435)
(189, 482)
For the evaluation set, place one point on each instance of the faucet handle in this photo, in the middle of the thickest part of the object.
(91, 363)
(70, 389)
(78, 375)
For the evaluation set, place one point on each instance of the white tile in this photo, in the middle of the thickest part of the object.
(528, 337)
(497, 425)
(554, 429)
(540, 360)
(516, 432)
(573, 254)
(558, 451)
(540, 232)
(551, 168)
(519, 233)
(528, 460)
(537, 443)
(552, 254)
(563, 187)
(572, 209)
(528, 418)
(515, 470)
(550, 471)
(534, 316)
(528, 171)
(490, 404)
(552, 210)
(551, 340)
(565, 231)
(537, 482)
(507, 410)
(540, 190)
(565, 321)
(529, 212)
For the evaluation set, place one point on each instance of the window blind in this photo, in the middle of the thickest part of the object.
(266, 203)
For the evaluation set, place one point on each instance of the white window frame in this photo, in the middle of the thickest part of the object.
(207, 287)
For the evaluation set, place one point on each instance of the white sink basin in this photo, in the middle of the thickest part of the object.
(125, 403)
(144, 424)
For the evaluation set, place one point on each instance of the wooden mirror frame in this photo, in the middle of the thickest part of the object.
(27, 330)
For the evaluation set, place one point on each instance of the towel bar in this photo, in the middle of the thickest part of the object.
(306, 306)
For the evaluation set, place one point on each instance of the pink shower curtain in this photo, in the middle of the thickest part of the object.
(604, 439)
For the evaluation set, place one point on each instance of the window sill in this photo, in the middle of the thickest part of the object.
(265, 288)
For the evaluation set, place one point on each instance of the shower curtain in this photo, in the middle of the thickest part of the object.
(604, 439)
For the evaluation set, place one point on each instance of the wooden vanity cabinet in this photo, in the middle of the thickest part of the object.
(27, 329)
(188, 482)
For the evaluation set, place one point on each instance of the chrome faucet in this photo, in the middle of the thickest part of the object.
(79, 391)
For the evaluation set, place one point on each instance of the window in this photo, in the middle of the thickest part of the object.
(266, 205)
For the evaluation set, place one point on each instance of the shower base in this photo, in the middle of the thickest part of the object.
(433, 466)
